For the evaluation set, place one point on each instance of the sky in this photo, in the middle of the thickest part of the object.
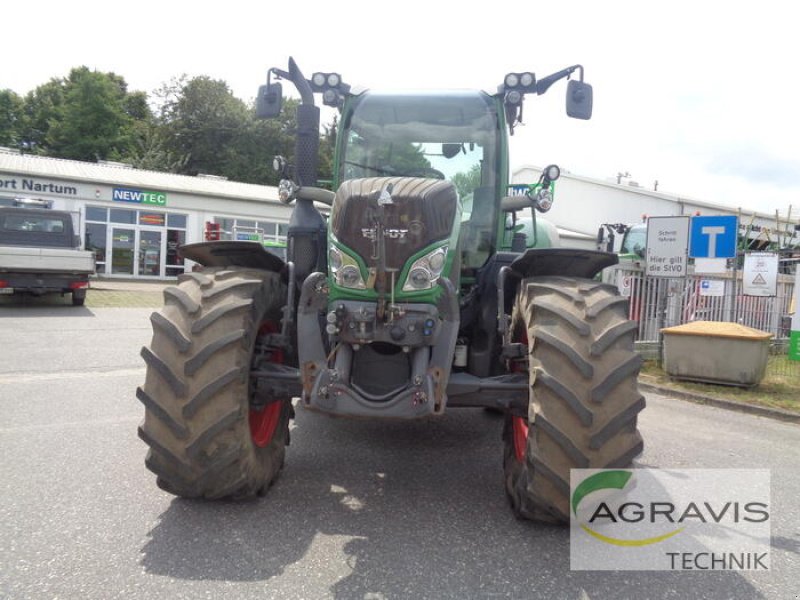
(701, 96)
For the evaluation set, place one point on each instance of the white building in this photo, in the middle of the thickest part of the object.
(135, 220)
(583, 204)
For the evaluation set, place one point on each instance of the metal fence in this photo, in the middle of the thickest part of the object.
(655, 303)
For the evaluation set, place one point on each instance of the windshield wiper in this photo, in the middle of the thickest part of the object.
(379, 170)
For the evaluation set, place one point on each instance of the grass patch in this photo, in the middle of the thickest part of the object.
(124, 299)
(780, 387)
(95, 298)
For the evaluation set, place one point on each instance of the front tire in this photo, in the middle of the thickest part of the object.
(584, 400)
(206, 438)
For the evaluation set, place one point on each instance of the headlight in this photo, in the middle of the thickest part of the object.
(425, 271)
(436, 260)
(335, 258)
(419, 278)
(350, 276)
(345, 269)
(512, 80)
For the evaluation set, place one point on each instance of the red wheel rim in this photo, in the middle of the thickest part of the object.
(519, 431)
(264, 422)
(519, 425)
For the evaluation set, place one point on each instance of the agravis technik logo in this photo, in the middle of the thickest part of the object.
(612, 480)
(651, 519)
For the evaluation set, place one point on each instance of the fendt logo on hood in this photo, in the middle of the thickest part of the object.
(371, 233)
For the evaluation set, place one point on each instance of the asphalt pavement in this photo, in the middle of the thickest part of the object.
(363, 509)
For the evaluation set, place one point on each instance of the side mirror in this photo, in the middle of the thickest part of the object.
(269, 101)
(451, 150)
(579, 100)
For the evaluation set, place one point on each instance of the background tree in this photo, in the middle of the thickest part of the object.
(404, 158)
(92, 123)
(11, 118)
(42, 107)
(187, 126)
(250, 158)
(151, 150)
(202, 120)
(466, 181)
(137, 106)
(85, 116)
(327, 147)
(219, 134)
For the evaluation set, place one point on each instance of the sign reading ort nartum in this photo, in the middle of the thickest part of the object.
(139, 196)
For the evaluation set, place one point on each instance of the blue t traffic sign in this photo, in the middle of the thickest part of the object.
(713, 237)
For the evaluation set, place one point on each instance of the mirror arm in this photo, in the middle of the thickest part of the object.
(300, 82)
(296, 77)
(544, 84)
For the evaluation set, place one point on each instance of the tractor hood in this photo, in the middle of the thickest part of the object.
(409, 213)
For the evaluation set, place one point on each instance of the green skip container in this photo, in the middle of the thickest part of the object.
(716, 352)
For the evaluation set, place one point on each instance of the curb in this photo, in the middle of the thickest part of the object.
(753, 409)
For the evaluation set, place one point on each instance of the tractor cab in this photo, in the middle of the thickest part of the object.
(452, 136)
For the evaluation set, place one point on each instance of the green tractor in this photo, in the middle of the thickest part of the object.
(428, 287)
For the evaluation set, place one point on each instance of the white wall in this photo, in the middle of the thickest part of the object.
(199, 208)
(583, 204)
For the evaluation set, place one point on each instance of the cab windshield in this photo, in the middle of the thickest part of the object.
(453, 136)
(635, 241)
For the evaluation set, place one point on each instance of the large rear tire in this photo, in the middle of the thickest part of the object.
(205, 438)
(583, 401)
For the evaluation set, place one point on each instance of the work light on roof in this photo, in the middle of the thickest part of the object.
(526, 79)
(524, 82)
(323, 81)
(330, 98)
(513, 97)
(553, 172)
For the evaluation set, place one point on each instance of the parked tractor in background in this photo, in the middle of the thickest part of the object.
(421, 292)
(632, 244)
